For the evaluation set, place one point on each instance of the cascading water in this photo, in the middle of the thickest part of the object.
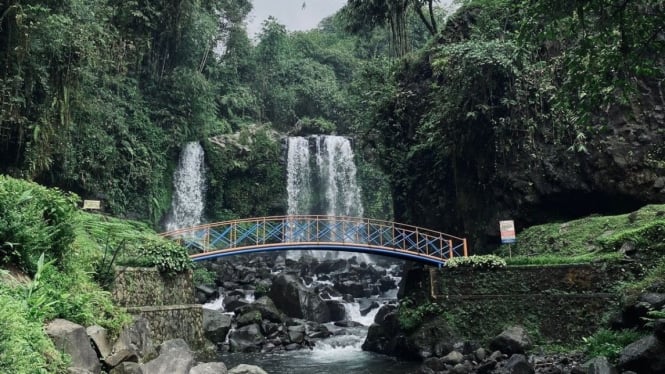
(189, 185)
(298, 184)
(331, 187)
(337, 171)
(323, 182)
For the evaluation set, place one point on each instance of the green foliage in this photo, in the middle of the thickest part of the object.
(556, 259)
(204, 276)
(131, 243)
(609, 343)
(24, 348)
(34, 220)
(593, 236)
(484, 262)
(247, 175)
(168, 256)
(410, 316)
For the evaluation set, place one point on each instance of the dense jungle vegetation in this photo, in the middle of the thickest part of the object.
(98, 96)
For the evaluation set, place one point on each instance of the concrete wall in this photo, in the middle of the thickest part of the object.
(557, 304)
(166, 301)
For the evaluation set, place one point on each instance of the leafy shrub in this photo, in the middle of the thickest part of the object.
(410, 317)
(166, 255)
(34, 220)
(609, 343)
(204, 276)
(477, 262)
(24, 347)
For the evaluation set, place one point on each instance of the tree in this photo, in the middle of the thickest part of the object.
(365, 15)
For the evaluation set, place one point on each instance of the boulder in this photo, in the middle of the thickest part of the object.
(600, 365)
(209, 368)
(296, 333)
(216, 325)
(644, 356)
(518, 364)
(266, 307)
(353, 288)
(336, 309)
(174, 358)
(127, 368)
(247, 369)
(136, 337)
(100, 340)
(367, 305)
(512, 340)
(298, 301)
(347, 323)
(436, 364)
(72, 339)
(249, 317)
(453, 358)
(121, 355)
(659, 329)
(246, 339)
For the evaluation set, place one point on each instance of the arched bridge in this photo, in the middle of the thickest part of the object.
(319, 233)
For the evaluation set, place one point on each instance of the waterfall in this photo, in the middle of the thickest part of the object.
(188, 192)
(331, 187)
(298, 185)
(337, 170)
(322, 182)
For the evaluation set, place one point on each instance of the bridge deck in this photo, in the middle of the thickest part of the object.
(319, 233)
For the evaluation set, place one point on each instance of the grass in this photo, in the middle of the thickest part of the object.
(589, 239)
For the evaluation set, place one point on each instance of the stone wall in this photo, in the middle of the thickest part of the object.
(166, 301)
(174, 321)
(149, 287)
(557, 304)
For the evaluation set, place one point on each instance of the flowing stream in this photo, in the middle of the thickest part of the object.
(340, 353)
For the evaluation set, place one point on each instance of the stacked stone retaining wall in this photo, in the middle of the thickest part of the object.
(559, 304)
(167, 301)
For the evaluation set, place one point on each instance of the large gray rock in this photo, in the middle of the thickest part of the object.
(645, 356)
(72, 339)
(518, 364)
(298, 301)
(127, 368)
(247, 369)
(136, 338)
(209, 368)
(99, 338)
(174, 358)
(513, 340)
(249, 317)
(216, 325)
(600, 365)
(268, 309)
(246, 339)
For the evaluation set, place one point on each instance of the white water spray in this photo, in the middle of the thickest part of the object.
(189, 184)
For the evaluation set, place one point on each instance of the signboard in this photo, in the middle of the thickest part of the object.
(92, 204)
(507, 229)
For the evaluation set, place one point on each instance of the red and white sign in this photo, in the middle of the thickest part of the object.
(507, 229)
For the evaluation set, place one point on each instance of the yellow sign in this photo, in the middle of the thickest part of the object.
(92, 204)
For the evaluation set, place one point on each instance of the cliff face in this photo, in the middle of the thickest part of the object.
(467, 148)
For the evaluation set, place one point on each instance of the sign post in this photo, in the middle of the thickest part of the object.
(507, 229)
(92, 204)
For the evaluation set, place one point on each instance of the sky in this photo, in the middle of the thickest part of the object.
(291, 13)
